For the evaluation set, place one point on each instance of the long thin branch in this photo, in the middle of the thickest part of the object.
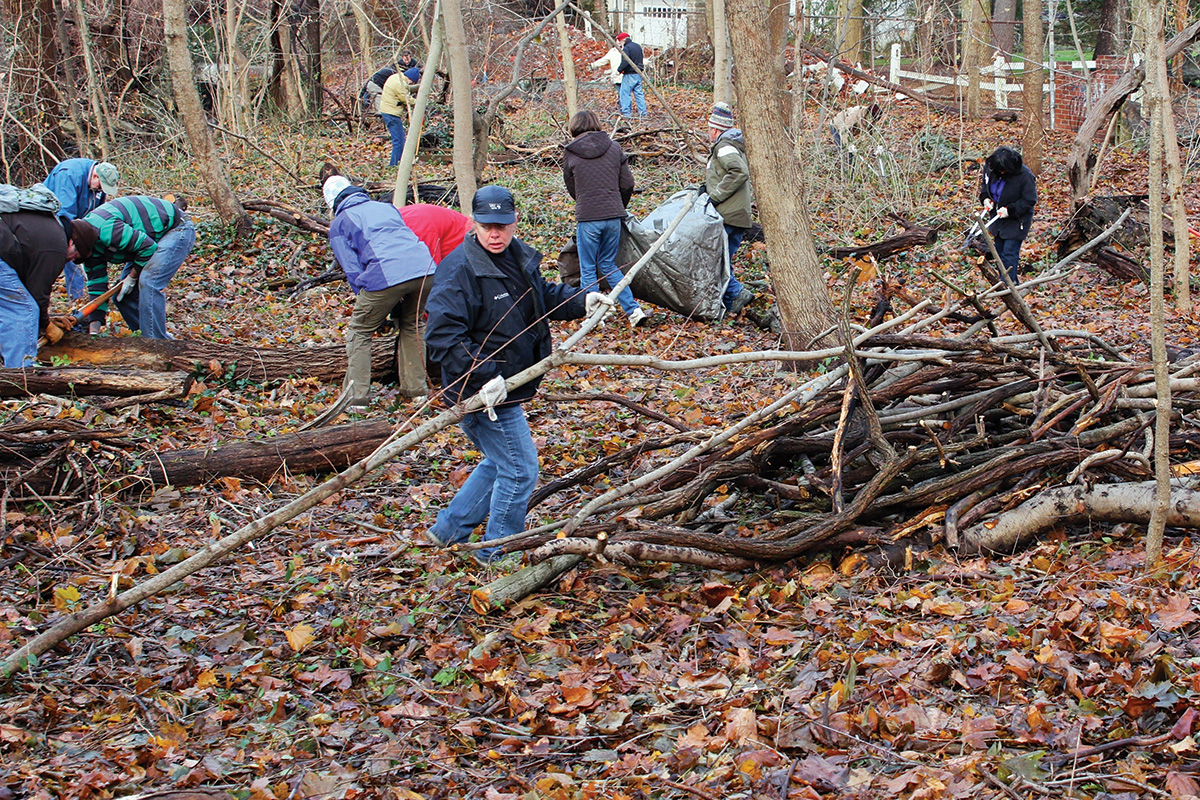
(26, 655)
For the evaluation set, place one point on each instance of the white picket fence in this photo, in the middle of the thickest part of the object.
(1000, 73)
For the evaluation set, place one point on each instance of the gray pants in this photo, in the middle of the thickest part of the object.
(406, 302)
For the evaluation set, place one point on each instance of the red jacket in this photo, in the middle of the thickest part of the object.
(441, 229)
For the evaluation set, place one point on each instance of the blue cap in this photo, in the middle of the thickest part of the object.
(494, 205)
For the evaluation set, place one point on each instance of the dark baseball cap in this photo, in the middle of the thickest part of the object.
(494, 205)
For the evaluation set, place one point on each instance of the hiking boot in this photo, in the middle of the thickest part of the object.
(638, 318)
(744, 298)
(433, 538)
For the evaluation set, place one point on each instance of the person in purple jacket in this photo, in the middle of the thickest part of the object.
(596, 172)
(81, 185)
(391, 271)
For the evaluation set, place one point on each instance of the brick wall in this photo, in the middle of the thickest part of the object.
(1070, 95)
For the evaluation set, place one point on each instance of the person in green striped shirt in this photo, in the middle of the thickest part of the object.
(151, 237)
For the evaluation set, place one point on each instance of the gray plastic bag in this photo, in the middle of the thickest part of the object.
(689, 273)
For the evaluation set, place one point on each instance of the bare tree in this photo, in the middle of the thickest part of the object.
(850, 30)
(722, 60)
(1156, 83)
(470, 146)
(285, 84)
(570, 85)
(1034, 42)
(975, 39)
(804, 305)
(1004, 25)
(1112, 30)
(31, 148)
(187, 101)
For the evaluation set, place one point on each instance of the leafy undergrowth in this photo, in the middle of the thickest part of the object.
(339, 655)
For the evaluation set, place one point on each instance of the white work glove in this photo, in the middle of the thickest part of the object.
(493, 392)
(127, 286)
(595, 300)
(987, 204)
(1002, 212)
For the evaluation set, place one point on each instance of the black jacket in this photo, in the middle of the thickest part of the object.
(476, 329)
(631, 52)
(34, 244)
(1019, 196)
(596, 172)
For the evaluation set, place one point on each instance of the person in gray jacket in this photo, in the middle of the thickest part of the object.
(727, 181)
(597, 174)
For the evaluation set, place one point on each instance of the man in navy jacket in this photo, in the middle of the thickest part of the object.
(487, 322)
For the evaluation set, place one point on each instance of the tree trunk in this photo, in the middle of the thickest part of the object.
(68, 382)
(96, 94)
(187, 101)
(322, 450)
(1112, 30)
(1181, 241)
(570, 85)
(722, 59)
(804, 305)
(1158, 107)
(219, 361)
(1004, 26)
(470, 147)
(850, 30)
(286, 87)
(311, 12)
(417, 119)
(366, 47)
(777, 26)
(975, 35)
(1033, 144)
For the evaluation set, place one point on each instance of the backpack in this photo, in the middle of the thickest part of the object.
(35, 198)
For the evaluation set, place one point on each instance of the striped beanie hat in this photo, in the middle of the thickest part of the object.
(722, 117)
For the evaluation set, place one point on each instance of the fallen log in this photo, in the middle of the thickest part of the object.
(75, 382)
(214, 360)
(1121, 266)
(913, 236)
(1125, 502)
(322, 450)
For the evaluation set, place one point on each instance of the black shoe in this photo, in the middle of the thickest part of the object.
(744, 298)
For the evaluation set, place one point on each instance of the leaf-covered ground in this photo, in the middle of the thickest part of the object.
(339, 656)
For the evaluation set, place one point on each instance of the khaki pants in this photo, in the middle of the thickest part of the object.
(407, 301)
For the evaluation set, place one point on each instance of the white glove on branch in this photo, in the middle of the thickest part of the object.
(1002, 212)
(492, 393)
(596, 300)
(127, 286)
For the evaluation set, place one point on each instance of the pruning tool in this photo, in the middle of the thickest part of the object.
(976, 229)
(86, 308)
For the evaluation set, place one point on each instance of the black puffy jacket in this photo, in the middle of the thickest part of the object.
(1019, 196)
(476, 328)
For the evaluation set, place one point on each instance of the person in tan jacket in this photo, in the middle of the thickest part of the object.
(393, 107)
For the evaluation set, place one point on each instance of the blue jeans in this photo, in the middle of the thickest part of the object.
(734, 287)
(395, 127)
(73, 278)
(1009, 251)
(145, 308)
(597, 241)
(499, 487)
(18, 321)
(631, 87)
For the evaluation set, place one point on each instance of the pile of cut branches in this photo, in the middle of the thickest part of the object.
(978, 441)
